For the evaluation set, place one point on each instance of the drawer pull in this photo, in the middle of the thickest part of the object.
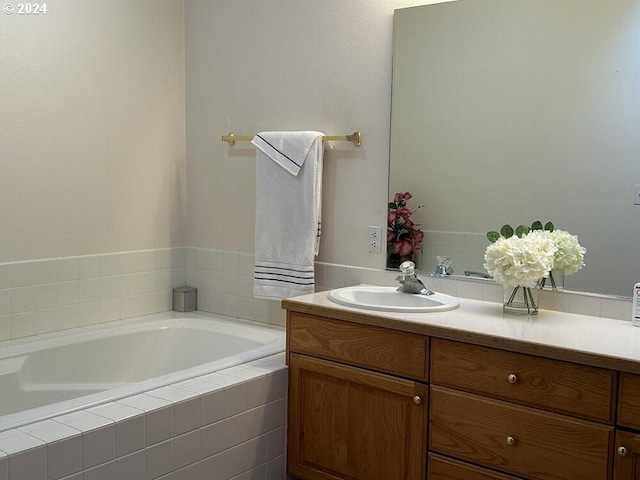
(511, 441)
(417, 400)
(512, 378)
(622, 451)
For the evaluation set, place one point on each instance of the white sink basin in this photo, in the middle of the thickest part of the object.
(388, 299)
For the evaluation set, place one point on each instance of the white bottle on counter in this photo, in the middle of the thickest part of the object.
(635, 310)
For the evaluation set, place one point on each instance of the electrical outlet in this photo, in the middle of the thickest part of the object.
(636, 194)
(375, 239)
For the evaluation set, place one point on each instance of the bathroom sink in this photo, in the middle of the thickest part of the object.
(388, 299)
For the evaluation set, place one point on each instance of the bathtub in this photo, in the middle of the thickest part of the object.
(76, 369)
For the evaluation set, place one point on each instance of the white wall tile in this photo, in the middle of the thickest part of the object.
(45, 271)
(147, 259)
(276, 469)
(110, 310)
(158, 416)
(159, 459)
(21, 299)
(246, 262)
(231, 262)
(129, 307)
(164, 260)
(132, 467)
(471, 290)
(249, 454)
(212, 439)
(178, 257)
(276, 443)
(336, 276)
(98, 436)
(354, 275)
(89, 290)
(4, 275)
(110, 264)
(27, 455)
(22, 324)
(69, 317)
(68, 269)
(615, 308)
(190, 472)
(90, 266)
(276, 414)
(190, 257)
(106, 471)
(109, 287)
(20, 274)
(129, 425)
(68, 293)
(129, 262)
(147, 282)
(235, 399)
(46, 321)
(4, 302)
(64, 447)
(163, 280)
(584, 305)
(186, 407)
(5, 327)
(46, 296)
(4, 466)
(186, 449)
(89, 313)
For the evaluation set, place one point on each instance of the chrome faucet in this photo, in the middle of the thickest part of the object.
(409, 281)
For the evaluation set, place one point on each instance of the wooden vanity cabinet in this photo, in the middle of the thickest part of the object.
(522, 415)
(348, 418)
(377, 403)
(627, 463)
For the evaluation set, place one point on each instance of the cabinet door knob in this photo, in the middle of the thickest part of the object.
(622, 451)
(511, 441)
(512, 378)
(417, 400)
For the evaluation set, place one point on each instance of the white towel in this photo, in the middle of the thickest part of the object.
(288, 201)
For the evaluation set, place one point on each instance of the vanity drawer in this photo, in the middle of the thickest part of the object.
(629, 406)
(381, 349)
(550, 384)
(443, 468)
(518, 440)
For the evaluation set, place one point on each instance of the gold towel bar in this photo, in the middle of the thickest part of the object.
(355, 138)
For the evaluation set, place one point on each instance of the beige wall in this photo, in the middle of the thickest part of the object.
(92, 128)
(288, 65)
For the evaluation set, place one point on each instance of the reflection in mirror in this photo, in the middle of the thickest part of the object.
(513, 111)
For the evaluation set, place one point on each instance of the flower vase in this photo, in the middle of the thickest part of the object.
(520, 300)
(555, 280)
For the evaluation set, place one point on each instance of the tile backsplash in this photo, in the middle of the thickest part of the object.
(224, 281)
(54, 294)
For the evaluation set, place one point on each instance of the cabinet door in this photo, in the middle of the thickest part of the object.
(349, 423)
(627, 464)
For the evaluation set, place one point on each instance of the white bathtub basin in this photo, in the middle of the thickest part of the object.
(62, 372)
(389, 299)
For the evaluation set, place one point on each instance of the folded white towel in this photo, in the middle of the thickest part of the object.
(288, 209)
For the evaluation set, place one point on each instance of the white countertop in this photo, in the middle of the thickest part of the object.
(592, 340)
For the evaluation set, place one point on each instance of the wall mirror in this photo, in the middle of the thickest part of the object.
(510, 111)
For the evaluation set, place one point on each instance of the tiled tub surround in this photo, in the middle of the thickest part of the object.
(47, 295)
(224, 425)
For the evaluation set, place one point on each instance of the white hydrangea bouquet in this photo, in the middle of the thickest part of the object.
(525, 258)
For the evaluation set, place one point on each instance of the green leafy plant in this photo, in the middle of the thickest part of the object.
(508, 231)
